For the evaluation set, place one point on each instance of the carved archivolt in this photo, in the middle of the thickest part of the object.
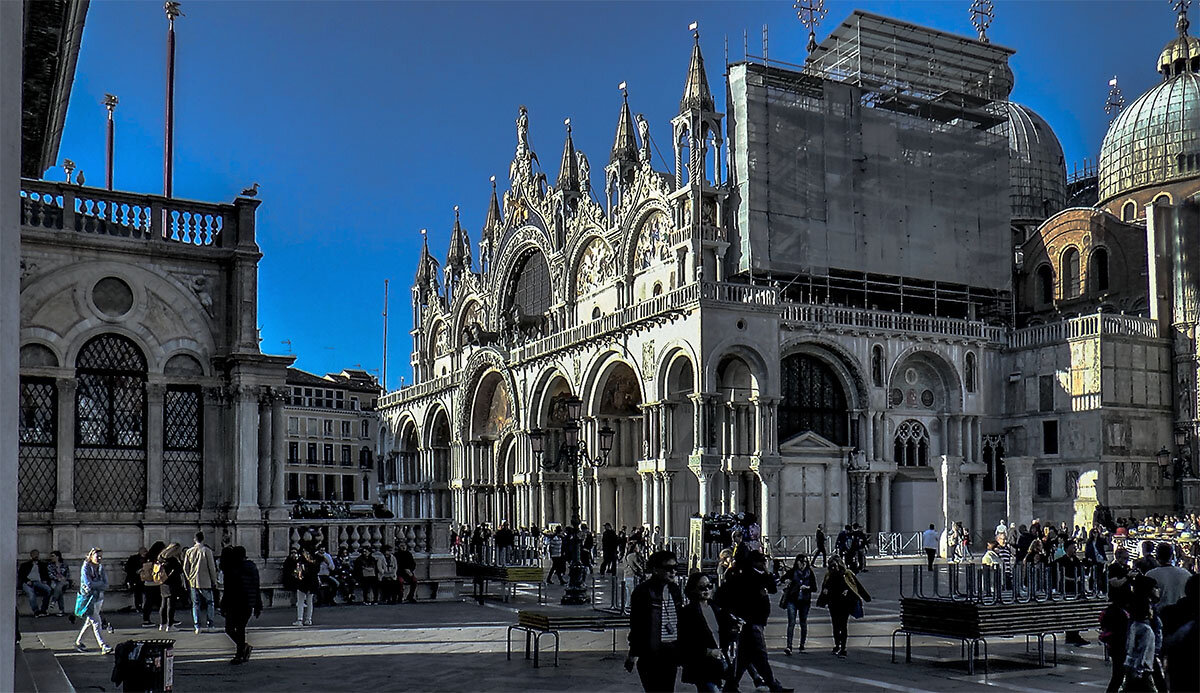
(482, 361)
(595, 268)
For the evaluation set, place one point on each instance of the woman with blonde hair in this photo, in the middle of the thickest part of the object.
(93, 582)
(843, 595)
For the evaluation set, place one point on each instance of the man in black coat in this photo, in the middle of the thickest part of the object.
(746, 594)
(608, 550)
(654, 625)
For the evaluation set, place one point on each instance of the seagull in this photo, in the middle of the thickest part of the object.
(251, 191)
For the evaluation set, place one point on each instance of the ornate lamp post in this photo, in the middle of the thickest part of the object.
(572, 455)
(1179, 466)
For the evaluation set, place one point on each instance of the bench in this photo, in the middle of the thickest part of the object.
(508, 577)
(973, 623)
(536, 624)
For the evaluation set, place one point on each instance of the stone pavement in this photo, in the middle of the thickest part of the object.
(460, 646)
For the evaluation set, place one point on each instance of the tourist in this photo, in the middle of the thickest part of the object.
(1170, 578)
(558, 562)
(701, 640)
(842, 544)
(842, 594)
(1181, 638)
(326, 567)
(820, 540)
(857, 548)
(343, 575)
(388, 572)
(33, 577)
(1069, 569)
(93, 582)
(633, 567)
(929, 542)
(200, 570)
(745, 595)
(1005, 552)
(242, 598)
(168, 574)
(308, 582)
(1002, 528)
(1114, 629)
(1142, 642)
(1145, 562)
(956, 542)
(724, 565)
(654, 625)
(1024, 539)
(366, 569)
(504, 544)
(608, 550)
(152, 593)
(798, 586)
(60, 581)
(406, 567)
(133, 566)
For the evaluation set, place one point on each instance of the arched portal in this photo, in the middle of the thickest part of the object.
(612, 494)
(439, 453)
(812, 400)
(528, 296)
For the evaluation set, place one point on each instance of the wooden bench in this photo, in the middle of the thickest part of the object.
(536, 624)
(973, 623)
(508, 577)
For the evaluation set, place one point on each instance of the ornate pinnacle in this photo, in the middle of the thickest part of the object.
(982, 13)
(810, 13)
(1181, 8)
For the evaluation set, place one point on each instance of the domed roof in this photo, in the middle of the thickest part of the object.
(1151, 142)
(1145, 142)
(1036, 169)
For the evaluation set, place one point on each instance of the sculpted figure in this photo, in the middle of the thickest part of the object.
(585, 172)
(644, 133)
(522, 132)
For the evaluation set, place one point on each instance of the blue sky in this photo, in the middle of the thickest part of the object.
(365, 122)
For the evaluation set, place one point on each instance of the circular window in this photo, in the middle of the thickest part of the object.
(896, 397)
(927, 398)
(741, 324)
(112, 296)
(910, 376)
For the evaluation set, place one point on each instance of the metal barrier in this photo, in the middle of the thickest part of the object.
(993, 585)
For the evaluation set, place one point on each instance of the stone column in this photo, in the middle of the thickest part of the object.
(646, 498)
(869, 431)
(699, 421)
(657, 490)
(265, 429)
(733, 482)
(65, 501)
(155, 392)
(542, 515)
(279, 450)
(768, 506)
(885, 503)
(702, 479)
(1019, 489)
(977, 502)
(668, 507)
(245, 452)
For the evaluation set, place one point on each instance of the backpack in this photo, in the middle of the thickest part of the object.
(158, 574)
(146, 572)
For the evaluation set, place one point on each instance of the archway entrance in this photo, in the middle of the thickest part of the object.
(612, 494)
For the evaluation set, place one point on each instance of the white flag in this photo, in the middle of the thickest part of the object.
(1112, 82)
(693, 25)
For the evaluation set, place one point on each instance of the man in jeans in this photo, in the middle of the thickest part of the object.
(929, 542)
(200, 570)
(33, 576)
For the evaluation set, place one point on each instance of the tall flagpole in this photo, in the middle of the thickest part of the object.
(110, 103)
(385, 326)
(173, 11)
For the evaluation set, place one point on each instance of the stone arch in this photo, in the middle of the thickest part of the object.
(39, 355)
(594, 390)
(182, 363)
(677, 382)
(492, 408)
(574, 255)
(672, 354)
(432, 420)
(527, 239)
(761, 372)
(551, 382)
(481, 361)
(462, 310)
(947, 374)
(633, 233)
(817, 394)
(845, 365)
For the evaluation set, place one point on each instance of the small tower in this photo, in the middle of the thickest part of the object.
(491, 231)
(700, 192)
(425, 294)
(623, 162)
(568, 172)
(458, 258)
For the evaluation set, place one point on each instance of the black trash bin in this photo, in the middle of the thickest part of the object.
(145, 665)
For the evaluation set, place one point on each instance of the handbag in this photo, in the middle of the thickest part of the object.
(83, 604)
(857, 611)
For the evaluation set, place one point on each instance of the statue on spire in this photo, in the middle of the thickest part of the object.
(522, 132)
(644, 133)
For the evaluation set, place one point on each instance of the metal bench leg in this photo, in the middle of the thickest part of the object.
(528, 643)
(986, 671)
(508, 644)
(555, 633)
(970, 660)
(908, 648)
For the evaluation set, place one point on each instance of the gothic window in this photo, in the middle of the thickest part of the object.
(595, 268)
(877, 366)
(183, 454)
(37, 437)
(1045, 284)
(911, 445)
(1070, 273)
(813, 400)
(110, 426)
(1098, 270)
(653, 241)
(1128, 211)
(995, 478)
(529, 295)
(970, 372)
(365, 461)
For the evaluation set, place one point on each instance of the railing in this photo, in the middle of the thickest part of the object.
(1016, 584)
(352, 534)
(1083, 327)
(527, 550)
(66, 207)
(898, 544)
(886, 320)
(419, 390)
(740, 293)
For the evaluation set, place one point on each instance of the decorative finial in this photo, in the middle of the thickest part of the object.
(173, 11)
(110, 102)
(624, 91)
(1181, 8)
(567, 122)
(1116, 100)
(982, 13)
(69, 167)
(455, 214)
(493, 182)
(811, 13)
(694, 27)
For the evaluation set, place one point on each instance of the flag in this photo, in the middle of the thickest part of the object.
(1112, 82)
(693, 26)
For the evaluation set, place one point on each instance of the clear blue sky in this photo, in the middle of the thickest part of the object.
(365, 122)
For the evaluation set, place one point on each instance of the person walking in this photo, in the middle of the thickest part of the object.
(308, 582)
(798, 587)
(701, 636)
(60, 581)
(746, 595)
(200, 571)
(93, 582)
(558, 561)
(821, 547)
(929, 542)
(843, 595)
(241, 599)
(168, 573)
(608, 550)
(654, 625)
(133, 580)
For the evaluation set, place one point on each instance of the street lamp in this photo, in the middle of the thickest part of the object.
(572, 455)
(1163, 457)
(1184, 447)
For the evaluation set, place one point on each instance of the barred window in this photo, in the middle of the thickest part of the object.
(911, 445)
(37, 437)
(110, 426)
(183, 453)
(813, 400)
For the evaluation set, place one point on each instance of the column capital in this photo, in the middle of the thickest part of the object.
(155, 392)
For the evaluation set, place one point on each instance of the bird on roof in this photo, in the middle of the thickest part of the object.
(252, 191)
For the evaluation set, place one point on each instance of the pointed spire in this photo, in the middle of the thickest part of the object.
(696, 93)
(625, 145)
(493, 220)
(459, 255)
(427, 265)
(568, 171)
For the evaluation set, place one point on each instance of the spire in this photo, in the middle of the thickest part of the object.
(426, 266)
(696, 93)
(493, 220)
(568, 171)
(459, 255)
(625, 145)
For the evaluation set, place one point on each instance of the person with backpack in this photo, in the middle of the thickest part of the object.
(152, 595)
(200, 569)
(1114, 629)
(308, 582)
(798, 586)
(242, 598)
(843, 595)
(168, 575)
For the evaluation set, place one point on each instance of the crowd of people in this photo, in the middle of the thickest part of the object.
(370, 576)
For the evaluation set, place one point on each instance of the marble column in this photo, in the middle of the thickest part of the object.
(646, 498)
(702, 478)
(657, 491)
(885, 503)
(65, 435)
(869, 429)
(977, 502)
(278, 450)
(155, 393)
(733, 483)
(668, 506)
(265, 429)
(245, 447)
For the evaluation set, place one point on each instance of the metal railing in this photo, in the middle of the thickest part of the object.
(1020, 584)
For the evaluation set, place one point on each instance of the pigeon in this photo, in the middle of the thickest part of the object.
(252, 191)
(79, 178)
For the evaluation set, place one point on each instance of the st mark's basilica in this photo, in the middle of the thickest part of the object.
(867, 292)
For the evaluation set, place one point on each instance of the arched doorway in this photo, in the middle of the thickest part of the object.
(436, 502)
(527, 297)
(612, 494)
(731, 433)
(492, 420)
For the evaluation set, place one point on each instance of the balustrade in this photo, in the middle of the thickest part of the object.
(418, 536)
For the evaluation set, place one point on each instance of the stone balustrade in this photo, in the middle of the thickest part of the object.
(352, 534)
(843, 316)
(66, 207)
(1085, 327)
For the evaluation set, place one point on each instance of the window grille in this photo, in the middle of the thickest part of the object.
(912, 444)
(996, 477)
(183, 452)
(812, 401)
(110, 426)
(37, 437)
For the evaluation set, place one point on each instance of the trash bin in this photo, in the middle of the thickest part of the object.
(145, 665)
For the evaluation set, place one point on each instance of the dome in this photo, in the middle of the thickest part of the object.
(1149, 142)
(1037, 172)
(1180, 55)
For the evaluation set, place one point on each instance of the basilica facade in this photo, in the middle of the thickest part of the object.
(860, 295)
